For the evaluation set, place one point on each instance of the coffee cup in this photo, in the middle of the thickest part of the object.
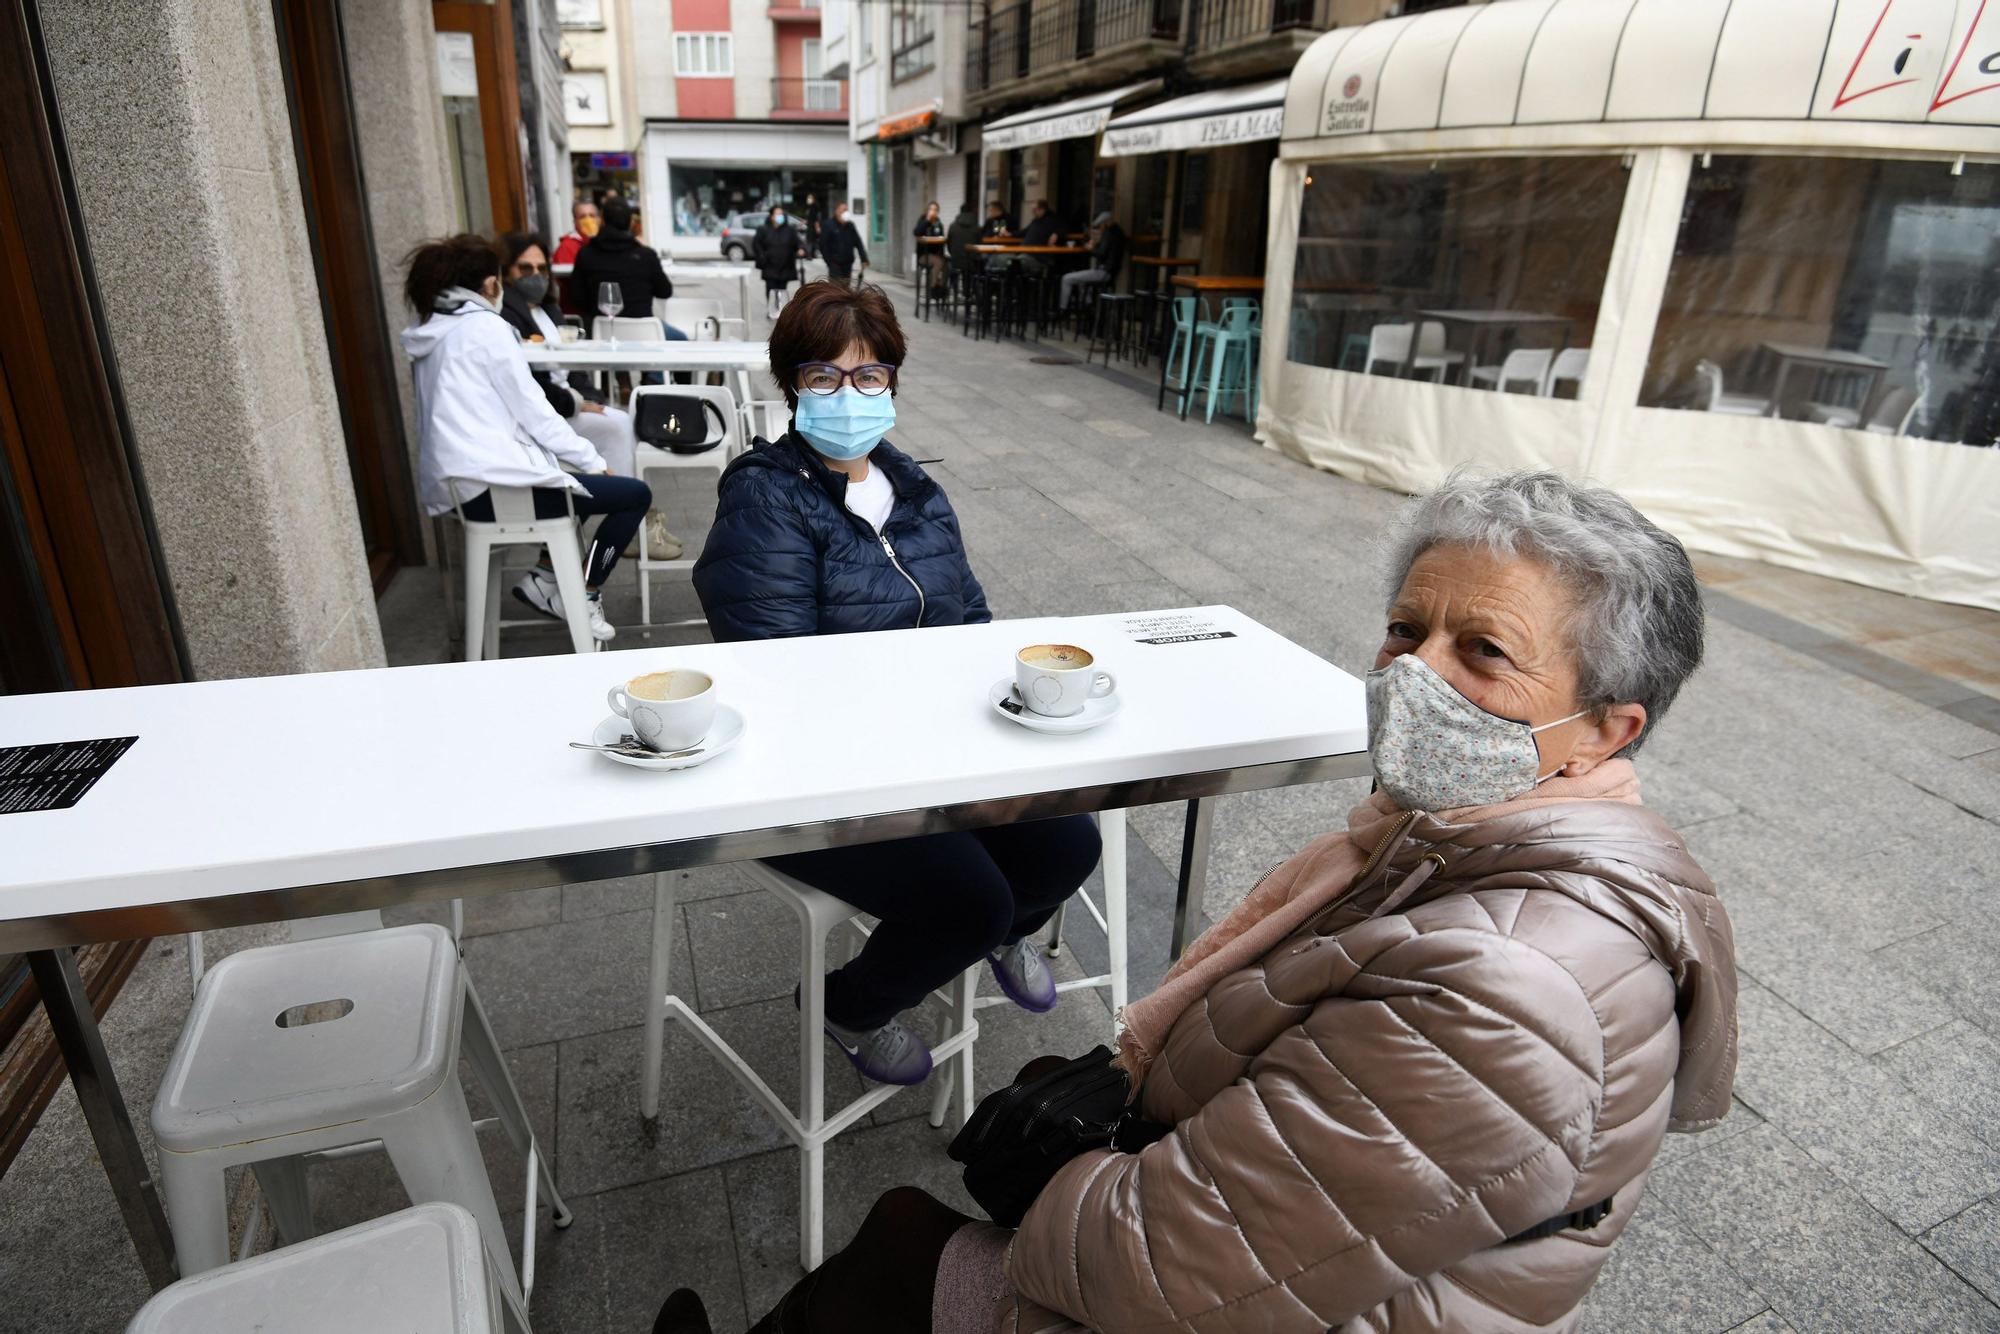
(1057, 680)
(669, 710)
(570, 333)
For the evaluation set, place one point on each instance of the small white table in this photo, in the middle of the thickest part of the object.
(737, 358)
(1823, 359)
(265, 799)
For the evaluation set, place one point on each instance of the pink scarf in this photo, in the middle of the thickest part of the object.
(1292, 894)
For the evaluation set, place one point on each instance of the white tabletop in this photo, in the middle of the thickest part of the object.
(690, 355)
(696, 269)
(1831, 356)
(280, 782)
(1496, 316)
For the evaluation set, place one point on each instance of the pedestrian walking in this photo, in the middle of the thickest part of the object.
(776, 250)
(840, 245)
(930, 258)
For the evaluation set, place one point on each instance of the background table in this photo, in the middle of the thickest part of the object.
(736, 358)
(1210, 282)
(270, 798)
(1788, 355)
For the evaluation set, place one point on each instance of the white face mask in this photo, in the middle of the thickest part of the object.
(1435, 750)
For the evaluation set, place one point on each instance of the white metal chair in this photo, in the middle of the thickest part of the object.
(700, 318)
(811, 1127)
(1390, 343)
(1718, 399)
(514, 525)
(766, 417)
(330, 1044)
(651, 458)
(1891, 415)
(1569, 365)
(629, 328)
(1524, 365)
(422, 1270)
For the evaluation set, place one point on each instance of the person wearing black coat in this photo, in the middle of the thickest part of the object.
(776, 250)
(614, 257)
(930, 258)
(963, 234)
(840, 245)
(1042, 228)
(830, 529)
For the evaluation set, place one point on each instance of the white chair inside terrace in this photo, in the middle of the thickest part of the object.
(700, 319)
(727, 441)
(819, 915)
(422, 1270)
(514, 524)
(1528, 366)
(1892, 414)
(1717, 399)
(1569, 366)
(629, 328)
(329, 1046)
(1390, 344)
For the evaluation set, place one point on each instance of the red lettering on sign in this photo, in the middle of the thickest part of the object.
(1944, 96)
(1843, 97)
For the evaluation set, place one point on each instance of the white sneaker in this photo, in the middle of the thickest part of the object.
(660, 543)
(600, 629)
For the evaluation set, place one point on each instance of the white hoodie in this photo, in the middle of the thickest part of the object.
(481, 415)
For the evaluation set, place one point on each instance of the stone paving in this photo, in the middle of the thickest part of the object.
(1852, 821)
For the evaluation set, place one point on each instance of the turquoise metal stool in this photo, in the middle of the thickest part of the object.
(1180, 350)
(1228, 352)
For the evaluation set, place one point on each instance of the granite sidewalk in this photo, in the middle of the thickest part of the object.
(1847, 801)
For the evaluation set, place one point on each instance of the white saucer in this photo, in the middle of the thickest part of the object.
(1095, 713)
(726, 732)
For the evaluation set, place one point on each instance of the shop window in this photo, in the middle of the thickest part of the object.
(711, 200)
(1485, 273)
(703, 55)
(1841, 291)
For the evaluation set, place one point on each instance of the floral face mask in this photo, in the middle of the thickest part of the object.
(1435, 750)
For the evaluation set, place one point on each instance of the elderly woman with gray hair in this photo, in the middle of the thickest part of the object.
(1417, 1079)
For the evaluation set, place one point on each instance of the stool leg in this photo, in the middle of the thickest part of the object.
(478, 570)
(812, 1096)
(192, 1187)
(664, 909)
(436, 1154)
(962, 1020)
(1056, 929)
(569, 579)
(490, 645)
(1111, 830)
(286, 1193)
(482, 1049)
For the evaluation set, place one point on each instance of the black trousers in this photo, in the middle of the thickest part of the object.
(623, 501)
(945, 901)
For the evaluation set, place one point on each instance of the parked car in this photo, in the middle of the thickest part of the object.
(737, 229)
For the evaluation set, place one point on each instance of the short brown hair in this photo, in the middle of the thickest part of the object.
(822, 320)
(464, 260)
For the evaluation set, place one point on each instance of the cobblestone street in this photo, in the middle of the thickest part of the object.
(1844, 796)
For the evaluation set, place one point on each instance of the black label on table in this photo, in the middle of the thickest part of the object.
(55, 776)
(1200, 638)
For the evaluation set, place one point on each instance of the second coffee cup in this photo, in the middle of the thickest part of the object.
(669, 710)
(1057, 680)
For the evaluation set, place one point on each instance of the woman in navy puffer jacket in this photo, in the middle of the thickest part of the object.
(830, 530)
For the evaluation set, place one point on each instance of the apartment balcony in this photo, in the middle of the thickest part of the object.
(794, 11)
(1242, 37)
(809, 99)
(1041, 49)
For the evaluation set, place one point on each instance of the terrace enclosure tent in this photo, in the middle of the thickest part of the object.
(1740, 261)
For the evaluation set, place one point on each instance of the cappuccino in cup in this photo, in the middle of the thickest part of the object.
(1057, 680)
(670, 710)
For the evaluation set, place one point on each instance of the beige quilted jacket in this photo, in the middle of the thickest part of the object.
(1368, 1112)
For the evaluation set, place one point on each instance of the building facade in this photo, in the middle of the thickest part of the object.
(600, 98)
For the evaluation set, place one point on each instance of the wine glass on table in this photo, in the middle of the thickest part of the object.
(610, 300)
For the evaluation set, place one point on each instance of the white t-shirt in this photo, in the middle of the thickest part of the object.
(872, 497)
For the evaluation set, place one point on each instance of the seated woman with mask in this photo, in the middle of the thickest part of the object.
(1417, 1079)
(831, 529)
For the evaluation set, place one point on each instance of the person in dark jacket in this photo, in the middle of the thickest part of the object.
(615, 257)
(831, 530)
(776, 250)
(996, 226)
(1107, 256)
(1042, 228)
(840, 245)
(529, 304)
(815, 221)
(963, 233)
(930, 258)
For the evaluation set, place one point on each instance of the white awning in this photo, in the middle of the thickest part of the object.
(1076, 119)
(1200, 120)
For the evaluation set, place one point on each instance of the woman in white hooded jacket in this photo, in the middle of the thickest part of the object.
(484, 422)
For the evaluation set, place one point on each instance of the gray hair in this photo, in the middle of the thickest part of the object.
(1636, 626)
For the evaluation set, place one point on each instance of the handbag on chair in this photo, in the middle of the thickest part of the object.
(1021, 1135)
(678, 423)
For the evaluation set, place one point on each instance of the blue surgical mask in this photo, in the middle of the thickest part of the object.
(778, 218)
(845, 424)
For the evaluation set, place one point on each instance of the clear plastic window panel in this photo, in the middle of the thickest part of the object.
(1845, 292)
(1484, 273)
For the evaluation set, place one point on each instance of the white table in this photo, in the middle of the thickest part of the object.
(272, 798)
(627, 355)
(1823, 359)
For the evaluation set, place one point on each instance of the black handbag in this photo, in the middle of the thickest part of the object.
(678, 423)
(1020, 1136)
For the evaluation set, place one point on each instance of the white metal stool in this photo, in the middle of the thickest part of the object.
(421, 1271)
(325, 1044)
(514, 525)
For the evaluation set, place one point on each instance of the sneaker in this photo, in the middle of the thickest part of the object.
(600, 629)
(538, 589)
(1024, 976)
(891, 1054)
(660, 543)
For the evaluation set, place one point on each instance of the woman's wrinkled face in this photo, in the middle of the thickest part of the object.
(1493, 628)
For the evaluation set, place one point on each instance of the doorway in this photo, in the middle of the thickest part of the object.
(482, 108)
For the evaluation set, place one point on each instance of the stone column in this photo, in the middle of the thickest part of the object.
(181, 139)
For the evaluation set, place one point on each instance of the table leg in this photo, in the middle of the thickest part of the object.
(75, 1025)
(1194, 872)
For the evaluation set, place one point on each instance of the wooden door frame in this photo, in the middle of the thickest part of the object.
(491, 27)
(312, 54)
